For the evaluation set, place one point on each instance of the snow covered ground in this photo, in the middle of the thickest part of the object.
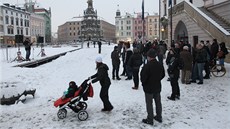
(204, 106)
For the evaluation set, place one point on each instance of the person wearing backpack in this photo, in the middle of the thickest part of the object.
(174, 73)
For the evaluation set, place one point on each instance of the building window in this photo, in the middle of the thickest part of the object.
(12, 13)
(18, 31)
(10, 30)
(27, 31)
(22, 31)
(17, 21)
(70, 34)
(191, 1)
(25, 23)
(12, 20)
(6, 11)
(121, 22)
(7, 20)
(150, 20)
(21, 22)
(121, 27)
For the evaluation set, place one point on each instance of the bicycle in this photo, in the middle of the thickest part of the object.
(218, 70)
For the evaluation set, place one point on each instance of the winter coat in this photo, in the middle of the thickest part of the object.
(102, 75)
(214, 50)
(201, 55)
(115, 58)
(151, 75)
(173, 67)
(27, 45)
(71, 91)
(128, 54)
(187, 58)
(135, 61)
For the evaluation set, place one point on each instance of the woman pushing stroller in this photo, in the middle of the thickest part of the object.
(103, 78)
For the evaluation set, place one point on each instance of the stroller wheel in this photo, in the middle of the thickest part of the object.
(82, 115)
(83, 105)
(62, 113)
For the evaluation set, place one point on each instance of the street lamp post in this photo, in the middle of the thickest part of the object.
(162, 31)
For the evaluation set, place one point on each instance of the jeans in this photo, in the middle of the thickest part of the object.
(198, 72)
(27, 54)
(221, 61)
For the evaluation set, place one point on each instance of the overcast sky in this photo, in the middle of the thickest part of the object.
(65, 10)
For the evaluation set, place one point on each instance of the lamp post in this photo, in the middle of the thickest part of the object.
(162, 31)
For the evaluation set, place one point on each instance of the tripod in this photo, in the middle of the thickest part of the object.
(19, 57)
(42, 52)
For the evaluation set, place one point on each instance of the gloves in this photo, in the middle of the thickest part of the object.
(88, 79)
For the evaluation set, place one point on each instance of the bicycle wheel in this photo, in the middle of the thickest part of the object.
(218, 71)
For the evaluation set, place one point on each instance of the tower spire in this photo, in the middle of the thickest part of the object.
(90, 3)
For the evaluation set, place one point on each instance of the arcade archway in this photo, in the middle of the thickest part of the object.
(181, 33)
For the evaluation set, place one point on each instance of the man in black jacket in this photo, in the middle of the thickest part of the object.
(27, 45)
(103, 77)
(116, 63)
(151, 75)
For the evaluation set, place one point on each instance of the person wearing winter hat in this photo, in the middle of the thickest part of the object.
(115, 63)
(103, 77)
(151, 75)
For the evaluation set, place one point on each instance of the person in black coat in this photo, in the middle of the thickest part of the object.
(99, 46)
(27, 45)
(151, 75)
(214, 51)
(128, 54)
(103, 78)
(174, 73)
(134, 63)
(115, 63)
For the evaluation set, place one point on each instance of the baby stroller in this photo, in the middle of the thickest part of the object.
(75, 103)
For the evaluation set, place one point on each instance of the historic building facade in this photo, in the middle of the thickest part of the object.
(69, 32)
(124, 27)
(14, 21)
(193, 21)
(153, 27)
(46, 14)
(37, 27)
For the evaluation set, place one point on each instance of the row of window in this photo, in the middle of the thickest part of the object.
(70, 34)
(74, 23)
(138, 33)
(10, 30)
(12, 13)
(74, 28)
(10, 20)
(136, 21)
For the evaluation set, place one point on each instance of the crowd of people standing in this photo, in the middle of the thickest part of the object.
(183, 62)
